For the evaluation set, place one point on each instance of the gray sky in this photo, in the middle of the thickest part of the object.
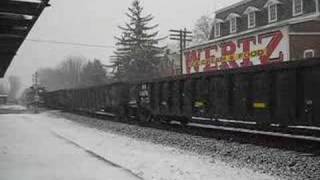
(96, 22)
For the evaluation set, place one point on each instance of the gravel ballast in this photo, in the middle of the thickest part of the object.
(277, 162)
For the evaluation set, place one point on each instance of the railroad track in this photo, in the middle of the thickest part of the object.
(301, 139)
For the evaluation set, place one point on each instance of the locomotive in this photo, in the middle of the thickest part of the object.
(285, 93)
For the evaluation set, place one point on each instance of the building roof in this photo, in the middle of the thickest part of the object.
(239, 8)
(17, 17)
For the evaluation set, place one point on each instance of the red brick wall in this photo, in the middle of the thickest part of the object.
(300, 43)
(311, 26)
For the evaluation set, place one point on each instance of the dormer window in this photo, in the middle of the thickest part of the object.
(251, 20)
(251, 13)
(233, 25)
(297, 7)
(272, 6)
(217, 30)
(273, 13)
(217, 27)
(232, 18)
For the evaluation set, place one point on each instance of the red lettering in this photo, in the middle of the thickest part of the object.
(188, 61)
(210, 64)
(273, 44)
(195, 56)
(229, 49)
(246, 50)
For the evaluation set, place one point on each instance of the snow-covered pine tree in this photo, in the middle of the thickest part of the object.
(138, 53)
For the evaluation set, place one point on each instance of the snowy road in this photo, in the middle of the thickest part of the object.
(46, 147)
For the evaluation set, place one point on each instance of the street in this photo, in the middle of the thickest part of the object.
(42, 146)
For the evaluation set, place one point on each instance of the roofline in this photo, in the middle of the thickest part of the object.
(232, 6)
(306, 18)
(40, 6)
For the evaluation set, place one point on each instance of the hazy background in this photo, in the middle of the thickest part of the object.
(95, 22)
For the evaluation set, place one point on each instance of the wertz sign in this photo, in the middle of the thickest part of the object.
(257, 49)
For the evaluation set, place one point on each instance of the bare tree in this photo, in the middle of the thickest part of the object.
(202, 29)
(70, 70)
(65, 76)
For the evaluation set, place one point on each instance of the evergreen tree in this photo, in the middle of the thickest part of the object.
(138, 53)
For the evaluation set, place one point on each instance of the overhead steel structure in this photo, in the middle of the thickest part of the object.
(17, 18)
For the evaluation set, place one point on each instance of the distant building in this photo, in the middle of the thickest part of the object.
(3, 99)
(254, 32)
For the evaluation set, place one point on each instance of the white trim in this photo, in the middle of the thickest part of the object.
(294, 13)
(271, 2)
(269, 13)
(233, 6)
(217, 20)
(235, 25)
(308, 51)
(232, 15)
(230, 18)
(251, 9)
(299, 19)
(215, 30)
(305, 33)
(254, 20)
(248, 11)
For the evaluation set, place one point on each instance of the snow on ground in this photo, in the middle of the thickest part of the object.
(144, 159)
(13, 107)
(29, 152)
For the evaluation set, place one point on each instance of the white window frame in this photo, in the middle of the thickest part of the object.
(247, 12)
(235, 24)
(308, 51)
(294, 13)
(254, 20)
(276, 13)
(217, 28)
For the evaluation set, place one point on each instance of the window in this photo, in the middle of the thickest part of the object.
(297, 7)
(252, 19)
(232, 18)
(273, 12)
(217, 30)
(251, 12)
(233, 25)
(309, 53)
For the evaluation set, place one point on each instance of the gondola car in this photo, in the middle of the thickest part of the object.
(284, 93)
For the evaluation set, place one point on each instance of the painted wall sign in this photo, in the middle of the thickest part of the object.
(260, 48)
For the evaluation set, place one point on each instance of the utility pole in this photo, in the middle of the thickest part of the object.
(183, 36)
(35, 80)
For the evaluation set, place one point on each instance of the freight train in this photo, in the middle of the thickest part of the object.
(285, 94)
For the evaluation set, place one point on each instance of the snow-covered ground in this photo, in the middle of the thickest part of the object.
(41, 146)
(13, 107)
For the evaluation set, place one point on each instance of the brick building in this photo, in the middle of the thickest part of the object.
(254, 32)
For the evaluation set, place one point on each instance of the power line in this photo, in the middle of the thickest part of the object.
(183, 36)
(70, 43)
